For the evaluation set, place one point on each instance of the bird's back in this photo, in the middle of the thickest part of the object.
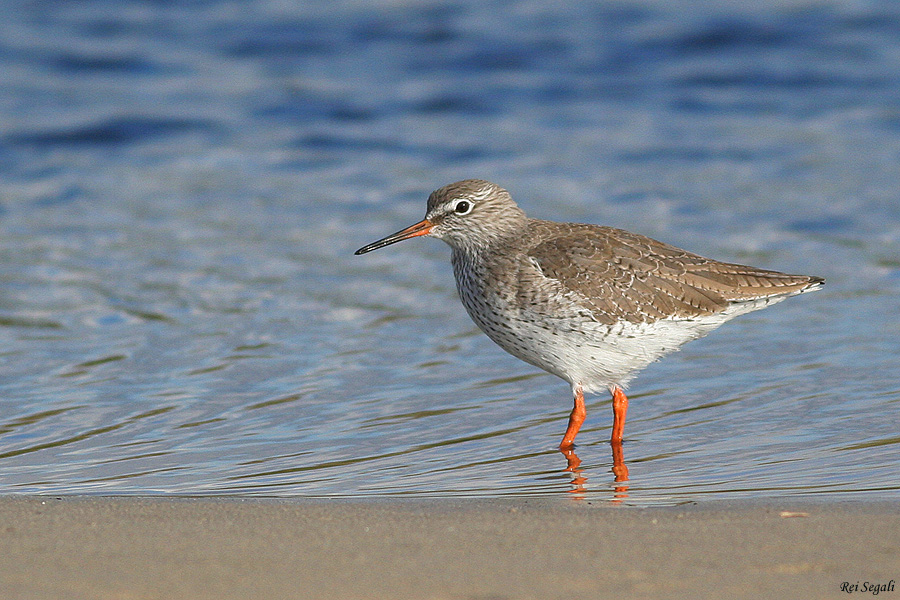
(624, 276)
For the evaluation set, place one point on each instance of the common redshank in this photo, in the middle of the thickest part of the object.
(590, 304)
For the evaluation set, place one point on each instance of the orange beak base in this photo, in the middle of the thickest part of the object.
(423, 227)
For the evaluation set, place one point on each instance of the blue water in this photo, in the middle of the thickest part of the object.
(182, 188)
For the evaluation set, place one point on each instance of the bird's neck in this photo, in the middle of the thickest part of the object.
(501, 235)
(473, 251)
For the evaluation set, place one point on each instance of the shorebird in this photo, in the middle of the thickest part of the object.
(590, 304)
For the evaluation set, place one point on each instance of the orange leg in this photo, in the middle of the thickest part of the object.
(620, 407)
(575, 421)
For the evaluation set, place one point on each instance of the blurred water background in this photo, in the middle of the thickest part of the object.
(182, 186)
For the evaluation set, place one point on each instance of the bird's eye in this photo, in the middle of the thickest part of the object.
(463, 207)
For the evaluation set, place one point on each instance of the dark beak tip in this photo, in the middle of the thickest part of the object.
(421, 228)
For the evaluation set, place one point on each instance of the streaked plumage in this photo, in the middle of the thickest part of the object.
(590, 304)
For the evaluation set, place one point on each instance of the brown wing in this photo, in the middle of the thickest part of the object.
(623, 275)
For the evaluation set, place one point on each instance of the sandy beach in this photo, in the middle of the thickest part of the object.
(137, 548)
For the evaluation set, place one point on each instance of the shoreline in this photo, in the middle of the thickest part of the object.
(156, 547)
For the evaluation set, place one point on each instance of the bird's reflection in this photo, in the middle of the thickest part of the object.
(619, 470)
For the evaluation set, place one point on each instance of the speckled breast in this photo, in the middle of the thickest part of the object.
(542, 340)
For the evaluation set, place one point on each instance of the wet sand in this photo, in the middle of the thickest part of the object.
(136, 548)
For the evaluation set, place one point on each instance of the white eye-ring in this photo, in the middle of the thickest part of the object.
(463, 207)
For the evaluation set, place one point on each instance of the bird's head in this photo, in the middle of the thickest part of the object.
(470, 215)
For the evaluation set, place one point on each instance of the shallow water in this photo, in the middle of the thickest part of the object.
(183, 188)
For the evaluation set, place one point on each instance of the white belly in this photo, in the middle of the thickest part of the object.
(582, 351)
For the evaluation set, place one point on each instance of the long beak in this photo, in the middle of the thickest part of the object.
(423, 227)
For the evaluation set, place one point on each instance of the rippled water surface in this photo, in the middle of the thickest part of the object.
(183, 188)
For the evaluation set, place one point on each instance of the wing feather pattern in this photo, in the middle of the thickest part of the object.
(618, 275)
